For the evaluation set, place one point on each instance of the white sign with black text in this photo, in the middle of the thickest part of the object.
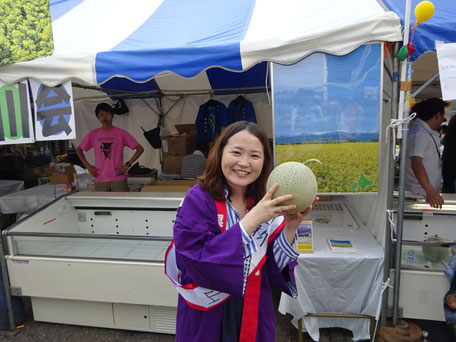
(54, 112)
(446, 56)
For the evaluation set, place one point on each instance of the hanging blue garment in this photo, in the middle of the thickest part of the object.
(209, 121)
(240, 109)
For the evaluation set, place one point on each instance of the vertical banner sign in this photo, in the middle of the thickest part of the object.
(54, 117)
(327, 115)
(16, 126)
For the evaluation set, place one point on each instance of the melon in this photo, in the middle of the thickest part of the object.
(296, 179)
(435, 253)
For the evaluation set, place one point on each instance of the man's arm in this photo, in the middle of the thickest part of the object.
(93, 170)
(123, 169)
(432, 197)
(139, 150)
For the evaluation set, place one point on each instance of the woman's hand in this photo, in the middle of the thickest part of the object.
(266, 209)
(292, 221)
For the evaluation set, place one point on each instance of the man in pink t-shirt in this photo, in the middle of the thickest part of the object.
(108, 142)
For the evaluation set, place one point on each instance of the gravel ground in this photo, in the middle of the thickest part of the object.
(49, 332)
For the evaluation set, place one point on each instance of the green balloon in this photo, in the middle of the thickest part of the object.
(403, 53)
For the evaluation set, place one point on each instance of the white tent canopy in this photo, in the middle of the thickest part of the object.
(99, 40)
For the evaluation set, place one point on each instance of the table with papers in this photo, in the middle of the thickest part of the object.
(336, 282)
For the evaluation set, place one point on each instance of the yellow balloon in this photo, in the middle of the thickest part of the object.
(424, 11)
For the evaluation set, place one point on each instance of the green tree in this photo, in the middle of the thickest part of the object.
(25, 30)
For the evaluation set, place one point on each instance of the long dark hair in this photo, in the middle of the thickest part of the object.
(213, 179)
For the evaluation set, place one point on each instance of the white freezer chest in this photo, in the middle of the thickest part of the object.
(422, 287)
(96, 259)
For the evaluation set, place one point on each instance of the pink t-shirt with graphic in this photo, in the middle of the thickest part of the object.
(108, 147)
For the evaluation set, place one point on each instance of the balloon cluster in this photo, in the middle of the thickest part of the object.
(423, 11)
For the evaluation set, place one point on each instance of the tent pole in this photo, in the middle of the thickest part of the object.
(402, 132)
(400, 219)
(390, 190)
(404, 63)
(429, 81)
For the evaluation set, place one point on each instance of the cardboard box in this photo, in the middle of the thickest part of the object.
(175, 182)
(181, 144)
(56, 177)
(169, 186)
(172, 164)
(186, 128)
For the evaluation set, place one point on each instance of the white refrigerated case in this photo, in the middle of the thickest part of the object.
(96, 259)
(423, 284)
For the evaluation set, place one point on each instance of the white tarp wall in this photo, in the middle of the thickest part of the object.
(184, 112)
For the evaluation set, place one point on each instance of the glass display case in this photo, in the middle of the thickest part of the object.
(423, 282)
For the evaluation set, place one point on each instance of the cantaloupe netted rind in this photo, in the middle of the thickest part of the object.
(296, 179)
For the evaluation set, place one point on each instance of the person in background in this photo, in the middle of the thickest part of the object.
(232, 240)
(442, 133)
(108, 142)
(449, 158)
(423, 172)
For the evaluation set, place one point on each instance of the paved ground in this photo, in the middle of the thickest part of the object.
(285, 332)
(48, 332)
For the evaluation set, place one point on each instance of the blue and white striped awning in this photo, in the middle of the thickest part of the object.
(96, 41)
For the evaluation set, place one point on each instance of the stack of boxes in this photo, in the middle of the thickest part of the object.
(175, 147)
(61, 177)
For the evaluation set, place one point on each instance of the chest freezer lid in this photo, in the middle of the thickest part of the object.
(149, 200)
(417, 204)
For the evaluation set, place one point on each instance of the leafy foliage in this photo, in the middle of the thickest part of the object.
(341, 164)
(25, 30)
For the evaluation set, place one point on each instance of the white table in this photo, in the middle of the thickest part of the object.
(27, 201)
(135, 183)
(341, 283)
(10, 186)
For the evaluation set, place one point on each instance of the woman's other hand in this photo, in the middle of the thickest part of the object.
(292, 221)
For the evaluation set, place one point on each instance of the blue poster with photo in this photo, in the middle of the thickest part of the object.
(327, 112)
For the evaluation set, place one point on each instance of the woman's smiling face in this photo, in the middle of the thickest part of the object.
(242, 160)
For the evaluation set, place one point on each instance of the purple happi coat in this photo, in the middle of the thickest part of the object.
(214, 260)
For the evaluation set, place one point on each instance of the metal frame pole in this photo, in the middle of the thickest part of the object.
(429, 81)
(400, 220)
(402, 133)
(391, 169)
(6, 286)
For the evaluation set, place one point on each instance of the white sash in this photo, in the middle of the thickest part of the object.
(204, 299)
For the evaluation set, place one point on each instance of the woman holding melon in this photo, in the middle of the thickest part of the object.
(231, 242)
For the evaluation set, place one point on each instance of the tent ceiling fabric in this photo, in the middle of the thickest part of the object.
(97, 40)
(441, 26)
(215, 79)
